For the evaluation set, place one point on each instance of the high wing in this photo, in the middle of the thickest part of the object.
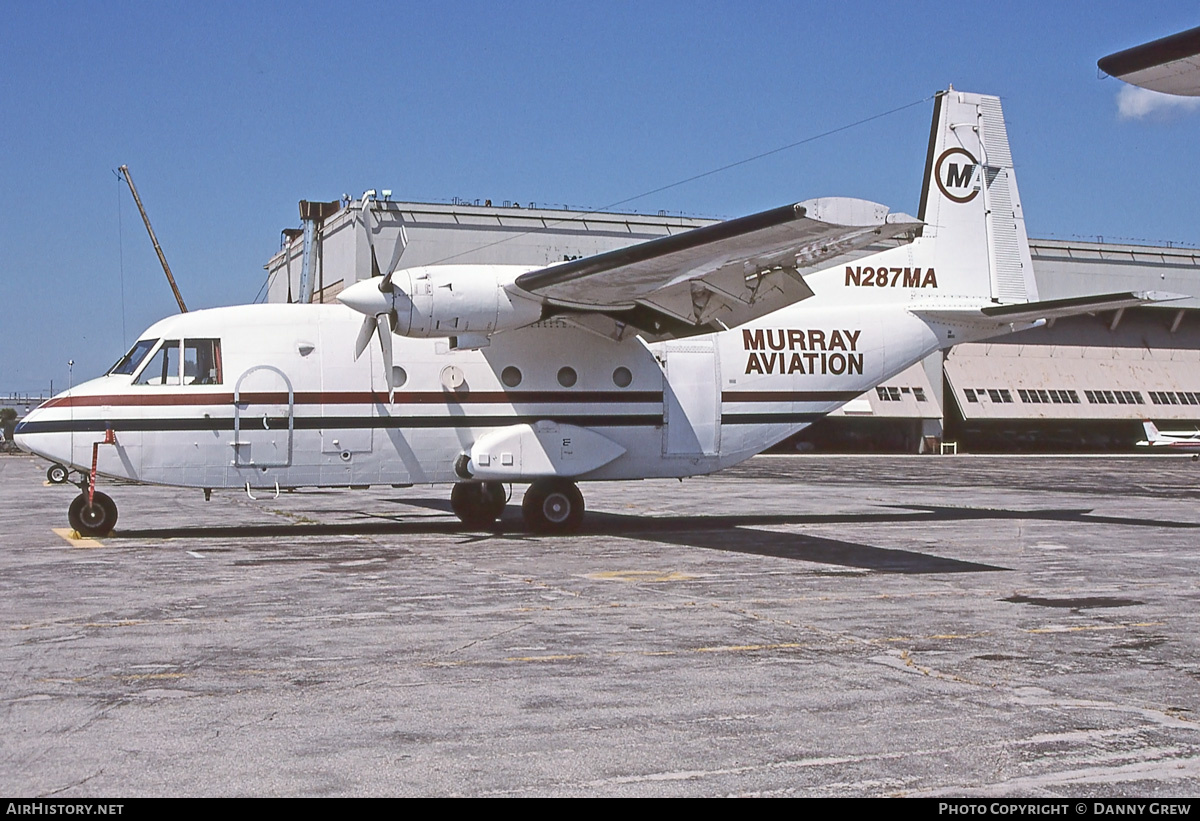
(1170, 65)
(713, 277)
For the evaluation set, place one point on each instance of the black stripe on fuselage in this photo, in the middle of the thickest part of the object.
(252, 424)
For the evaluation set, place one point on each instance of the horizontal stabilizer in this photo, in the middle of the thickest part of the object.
(1049, 308)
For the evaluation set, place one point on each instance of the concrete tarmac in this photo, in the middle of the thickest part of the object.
(803, 625)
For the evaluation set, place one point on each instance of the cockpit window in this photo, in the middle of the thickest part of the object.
(192, 362)
(202, 362)
(163, 368)
(128, 363)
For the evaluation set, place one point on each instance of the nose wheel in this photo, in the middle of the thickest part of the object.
(553, 506)
(95, 519)
(478, 504)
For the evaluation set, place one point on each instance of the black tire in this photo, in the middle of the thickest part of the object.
(553, 506)
(478, 504)
(57, 474)
(96, 520)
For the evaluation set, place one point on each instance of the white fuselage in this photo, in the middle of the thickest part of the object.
(291, 406)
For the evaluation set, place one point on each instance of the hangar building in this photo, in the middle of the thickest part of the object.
(1079, 384)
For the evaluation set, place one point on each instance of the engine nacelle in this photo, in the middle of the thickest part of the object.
(454, 300)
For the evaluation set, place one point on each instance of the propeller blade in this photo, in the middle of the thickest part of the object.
(374, 262)
(366, 218)
(385, 345)
(364, 336)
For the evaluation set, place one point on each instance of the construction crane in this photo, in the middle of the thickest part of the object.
(158, 250)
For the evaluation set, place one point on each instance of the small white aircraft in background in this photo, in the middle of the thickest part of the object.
(1179, 441)
(672, 358)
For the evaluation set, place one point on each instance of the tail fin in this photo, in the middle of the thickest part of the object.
(1152, 434)
(970, 205)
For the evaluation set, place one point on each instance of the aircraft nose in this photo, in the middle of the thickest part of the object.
(25, 431)
(366, 297)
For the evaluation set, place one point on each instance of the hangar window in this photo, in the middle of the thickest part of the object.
(919, 394)
(128, 363)
(1169, 398)
(202, 362)
(163, 369)
(970, 394)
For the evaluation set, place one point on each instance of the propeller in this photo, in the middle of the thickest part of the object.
(374, 298)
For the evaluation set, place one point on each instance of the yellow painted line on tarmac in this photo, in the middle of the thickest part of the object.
(729, 648)
(936, 636)
(1089, 627)
(73, 538)
(746, 648)
(642, 576)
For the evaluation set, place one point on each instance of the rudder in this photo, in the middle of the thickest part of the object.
(970, 204)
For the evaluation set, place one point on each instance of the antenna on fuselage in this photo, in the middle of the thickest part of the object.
(157, 249)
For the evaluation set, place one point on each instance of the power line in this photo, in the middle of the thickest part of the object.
(704, 174)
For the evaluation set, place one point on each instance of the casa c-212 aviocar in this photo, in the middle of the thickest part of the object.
(675, 357)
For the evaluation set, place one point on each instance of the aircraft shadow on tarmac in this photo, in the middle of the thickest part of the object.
(729, 533)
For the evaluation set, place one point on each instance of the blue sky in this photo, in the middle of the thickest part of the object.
(229, 113)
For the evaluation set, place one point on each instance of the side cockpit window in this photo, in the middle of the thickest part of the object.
(190, 362)
(163, 368)
(202, 362)
(128, 363)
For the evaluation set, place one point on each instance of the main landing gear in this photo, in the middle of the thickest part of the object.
(549, 506)
(553, 506)
(478, 504)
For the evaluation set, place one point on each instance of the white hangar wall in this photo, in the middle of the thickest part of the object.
(1107, 371)
(439, 233)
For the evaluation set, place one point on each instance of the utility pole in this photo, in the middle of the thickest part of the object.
(162, 259)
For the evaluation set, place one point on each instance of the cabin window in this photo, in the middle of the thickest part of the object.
(202, 362)
(567, 377)
(128, 363)
(511, 376)
(163, 368)
(622, 377)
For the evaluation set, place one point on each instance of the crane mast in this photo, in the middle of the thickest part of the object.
(158, 250)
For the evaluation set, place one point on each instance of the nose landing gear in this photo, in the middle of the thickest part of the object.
(95, 518)
(92, 513)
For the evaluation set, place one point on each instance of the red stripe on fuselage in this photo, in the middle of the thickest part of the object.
(151, 398)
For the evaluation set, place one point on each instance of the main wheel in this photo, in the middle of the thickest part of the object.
(478, 504)
(95, 519)
(553, 506)
(57, 474)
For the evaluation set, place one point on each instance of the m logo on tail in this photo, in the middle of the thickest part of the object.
(954, 177)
